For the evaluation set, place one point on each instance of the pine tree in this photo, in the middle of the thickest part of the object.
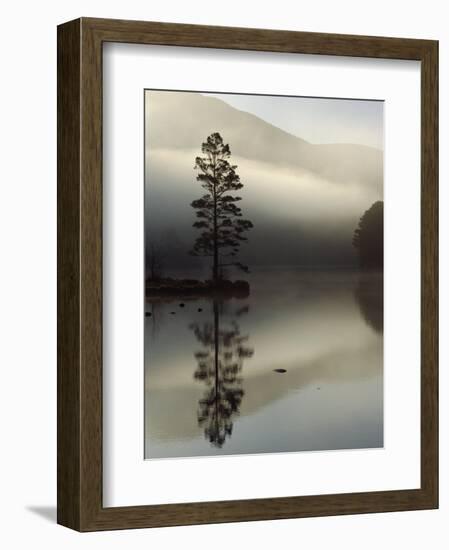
(219, 217)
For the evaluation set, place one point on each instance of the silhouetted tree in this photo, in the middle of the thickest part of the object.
(218, 215)
(369, 237)
(219, 367)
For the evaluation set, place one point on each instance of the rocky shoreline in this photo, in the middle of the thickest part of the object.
(188, 287)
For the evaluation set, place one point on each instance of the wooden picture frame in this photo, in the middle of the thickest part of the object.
(80, 504)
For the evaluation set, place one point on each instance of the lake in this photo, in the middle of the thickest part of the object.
(295, 366)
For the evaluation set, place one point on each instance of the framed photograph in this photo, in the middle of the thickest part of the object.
(247, 274)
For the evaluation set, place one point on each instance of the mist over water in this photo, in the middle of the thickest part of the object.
(320, 327)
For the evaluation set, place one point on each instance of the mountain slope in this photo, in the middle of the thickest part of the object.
(184, 120)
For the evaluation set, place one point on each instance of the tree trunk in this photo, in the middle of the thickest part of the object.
(215, 264)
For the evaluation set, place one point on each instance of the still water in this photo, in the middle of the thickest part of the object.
(295, 366)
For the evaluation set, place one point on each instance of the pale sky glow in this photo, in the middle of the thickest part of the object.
(317, 120)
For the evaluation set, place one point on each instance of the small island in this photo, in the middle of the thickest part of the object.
(196, 288)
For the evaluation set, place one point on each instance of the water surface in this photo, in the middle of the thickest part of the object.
(295, 366)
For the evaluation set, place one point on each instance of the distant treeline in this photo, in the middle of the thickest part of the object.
(369, 237)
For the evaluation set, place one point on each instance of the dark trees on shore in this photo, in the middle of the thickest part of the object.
(218, 216)
(368, 238)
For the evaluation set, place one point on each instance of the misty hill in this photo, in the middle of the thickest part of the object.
(305, 200)
(184, 120)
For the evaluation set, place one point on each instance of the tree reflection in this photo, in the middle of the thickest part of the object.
(369, 295)
(220, 364)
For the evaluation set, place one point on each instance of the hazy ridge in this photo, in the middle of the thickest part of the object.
(299, 194)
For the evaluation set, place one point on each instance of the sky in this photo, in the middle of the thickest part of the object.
(317, 120)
